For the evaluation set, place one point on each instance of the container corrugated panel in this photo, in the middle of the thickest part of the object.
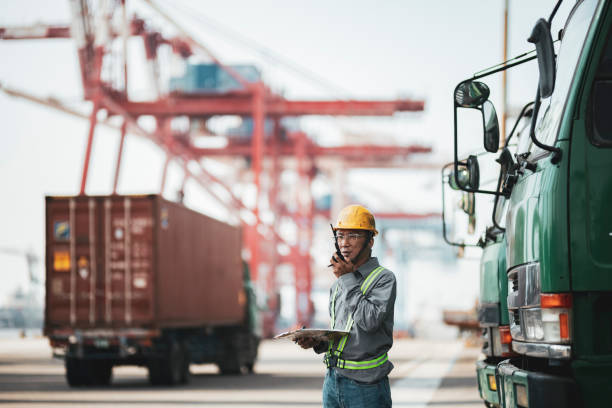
(201, 260)
(138, 261)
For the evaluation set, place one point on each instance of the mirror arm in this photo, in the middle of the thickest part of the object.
(520, 116)
(449, 242)
(552, 15)
(499, 181)
(493, 70)
(557, 153)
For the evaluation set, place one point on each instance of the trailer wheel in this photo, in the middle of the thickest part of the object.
(76, 376)
(230, 366)
(155, 371)
(168, 370)
(101, 372)
(175, 364)
(253, 347)
(185, 375)
(230, 362)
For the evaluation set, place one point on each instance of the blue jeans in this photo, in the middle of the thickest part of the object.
(342, 392)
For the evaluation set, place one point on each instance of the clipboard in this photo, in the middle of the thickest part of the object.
(318, 334)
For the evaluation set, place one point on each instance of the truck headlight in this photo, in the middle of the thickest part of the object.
(556, 317)
(550, 323)
(533, 325)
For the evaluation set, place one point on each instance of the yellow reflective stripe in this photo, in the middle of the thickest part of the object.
(363, 365)
(368, 362)
(333, 308)
(342, 343)
(333, 318)
(366, 283)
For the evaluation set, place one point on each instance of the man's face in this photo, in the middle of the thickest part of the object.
(351, 241)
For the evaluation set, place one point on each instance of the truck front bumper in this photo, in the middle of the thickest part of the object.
(528, 389)
(487, 382)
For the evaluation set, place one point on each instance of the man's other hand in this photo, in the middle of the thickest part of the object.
(341, 267)
(306, 342)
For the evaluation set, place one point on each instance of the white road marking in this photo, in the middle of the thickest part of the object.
(417, 389)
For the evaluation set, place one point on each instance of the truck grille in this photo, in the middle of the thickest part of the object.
(516, 316)
(515, 285)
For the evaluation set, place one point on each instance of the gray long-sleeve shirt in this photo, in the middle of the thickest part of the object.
(372, 332)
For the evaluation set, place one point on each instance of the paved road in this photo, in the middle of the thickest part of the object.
(439, 374)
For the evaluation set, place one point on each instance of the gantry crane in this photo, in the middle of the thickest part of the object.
(101, 27)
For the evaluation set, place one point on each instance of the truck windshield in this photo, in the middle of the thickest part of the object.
(574, 34)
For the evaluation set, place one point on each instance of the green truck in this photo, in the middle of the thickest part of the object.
(554, 192)
(493, 316)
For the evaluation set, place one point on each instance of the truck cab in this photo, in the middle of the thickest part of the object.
(492, 314)
(558, 228)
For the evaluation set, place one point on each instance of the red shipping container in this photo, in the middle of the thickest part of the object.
(139, 262)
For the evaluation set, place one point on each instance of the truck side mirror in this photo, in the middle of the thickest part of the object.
(491, 127)
(461, 181)
(468, 176)
(474, 172)
(471, 94)
(467, 202)
(541, 37)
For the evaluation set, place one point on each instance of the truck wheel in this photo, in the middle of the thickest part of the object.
(230, 366)
(231, 357)
(186, 361)
(102, 372)
(168, 370)
(253, 348)
(175, 364)
(80, 372)
(75, 375)
(155, 372)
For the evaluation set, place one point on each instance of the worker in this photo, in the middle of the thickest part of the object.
(361, 302)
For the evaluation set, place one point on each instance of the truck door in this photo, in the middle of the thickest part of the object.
(126, 285)
(72, 261)
(591, 172)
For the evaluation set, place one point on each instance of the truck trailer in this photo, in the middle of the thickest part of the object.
(139, 280)
(554, 192)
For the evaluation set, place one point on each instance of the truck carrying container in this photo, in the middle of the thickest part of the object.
(141, 280)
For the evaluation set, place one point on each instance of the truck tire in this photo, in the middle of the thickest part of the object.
(185, 375)
(252, 357)
(169, 369)
(81, 372)
(101, 372)
(230, 365)
(75, 374)
(155, 371)
(229, 359)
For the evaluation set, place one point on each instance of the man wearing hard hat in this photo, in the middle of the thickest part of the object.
(361, 302)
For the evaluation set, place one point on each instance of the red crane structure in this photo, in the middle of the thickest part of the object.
(104, 77)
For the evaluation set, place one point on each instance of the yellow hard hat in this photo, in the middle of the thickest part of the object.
(356, 217)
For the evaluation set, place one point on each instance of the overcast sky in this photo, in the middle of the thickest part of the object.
(383, 49)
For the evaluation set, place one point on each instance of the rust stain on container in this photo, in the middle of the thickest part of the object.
(139, 261)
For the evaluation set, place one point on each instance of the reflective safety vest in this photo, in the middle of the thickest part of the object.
(332, 357)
